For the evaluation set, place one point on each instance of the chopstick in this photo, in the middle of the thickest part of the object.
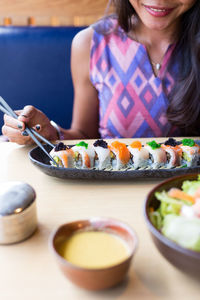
(5, 108)
(14, 115)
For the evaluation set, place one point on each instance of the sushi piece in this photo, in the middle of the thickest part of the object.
(157, 156)
(173, 152)
(139, 155)
(102, 157)
(84, 155)
(190, 152)
(63, 156)
(120, 155)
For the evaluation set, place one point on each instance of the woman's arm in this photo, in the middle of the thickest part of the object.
(86, 105)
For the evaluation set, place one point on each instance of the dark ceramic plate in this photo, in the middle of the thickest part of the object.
(186, 260)
(41, 160)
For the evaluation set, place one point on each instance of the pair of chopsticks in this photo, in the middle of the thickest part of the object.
(6, 109)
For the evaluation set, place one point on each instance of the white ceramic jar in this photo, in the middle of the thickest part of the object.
(18, 216)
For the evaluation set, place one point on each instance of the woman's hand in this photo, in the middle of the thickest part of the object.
(32, 117)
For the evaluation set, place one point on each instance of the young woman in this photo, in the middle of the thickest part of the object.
(135, 74)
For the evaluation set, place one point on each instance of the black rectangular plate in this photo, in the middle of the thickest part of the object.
(41, 160)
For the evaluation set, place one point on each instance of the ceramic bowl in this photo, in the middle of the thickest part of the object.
(182, 258)
(94, 279)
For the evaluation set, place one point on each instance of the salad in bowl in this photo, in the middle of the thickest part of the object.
(178, 215)
(172, 214)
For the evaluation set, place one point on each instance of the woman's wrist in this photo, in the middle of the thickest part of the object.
(60, 133)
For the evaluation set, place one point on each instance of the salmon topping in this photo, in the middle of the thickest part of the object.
(63, 155)
(121, 149)
(177, 149)
(136, 144)
(87, 160)
(71, 152)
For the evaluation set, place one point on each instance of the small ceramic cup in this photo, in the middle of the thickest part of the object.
(94, 279)
(18, 217)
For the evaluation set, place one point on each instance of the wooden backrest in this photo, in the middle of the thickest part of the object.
(48, 12)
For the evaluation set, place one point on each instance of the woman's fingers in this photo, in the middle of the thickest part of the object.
(31, 117)
(13, 123)
(15, 135)
(27, 114)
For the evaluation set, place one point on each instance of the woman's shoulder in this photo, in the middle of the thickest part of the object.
(104, 28)
(83, 37)
(81, 43)
(106, 25)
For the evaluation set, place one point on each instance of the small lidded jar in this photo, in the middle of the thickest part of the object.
(18, 216)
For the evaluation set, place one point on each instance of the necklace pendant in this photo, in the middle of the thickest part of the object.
(158, 66)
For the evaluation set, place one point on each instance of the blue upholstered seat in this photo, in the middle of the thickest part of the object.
(35, 69)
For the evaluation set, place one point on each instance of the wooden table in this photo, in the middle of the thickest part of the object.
(28, 270)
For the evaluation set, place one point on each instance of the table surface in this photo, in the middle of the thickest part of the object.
(28, 269)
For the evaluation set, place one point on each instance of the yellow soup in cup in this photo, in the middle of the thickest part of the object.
(94, 249)
(94, 253)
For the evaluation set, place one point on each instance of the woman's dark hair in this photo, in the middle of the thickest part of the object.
(184, 100)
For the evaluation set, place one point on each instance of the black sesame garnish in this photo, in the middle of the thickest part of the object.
(60, 146)
(100, 143)
(171, 142)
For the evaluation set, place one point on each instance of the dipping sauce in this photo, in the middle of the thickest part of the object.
(94, 249)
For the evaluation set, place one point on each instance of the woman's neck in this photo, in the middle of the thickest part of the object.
(155, 41)
(151, 37)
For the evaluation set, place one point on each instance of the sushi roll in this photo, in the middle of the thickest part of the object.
(173, 152)
(139, 155)
(102, 157)
(157, 156)
(84, 155)
(120, 155)
(63, 156)
(190, 152)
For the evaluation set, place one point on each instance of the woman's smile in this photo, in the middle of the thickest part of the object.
(161, 14)
(158, 11)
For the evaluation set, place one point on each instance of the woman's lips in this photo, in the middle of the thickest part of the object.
(158, 11)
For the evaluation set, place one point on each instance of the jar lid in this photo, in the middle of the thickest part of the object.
(15, 197)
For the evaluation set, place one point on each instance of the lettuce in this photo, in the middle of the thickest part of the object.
(190, 187)
(168, 204)
(184, 231)
(156, 219)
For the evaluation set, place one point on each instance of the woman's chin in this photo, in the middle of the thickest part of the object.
(157, 26)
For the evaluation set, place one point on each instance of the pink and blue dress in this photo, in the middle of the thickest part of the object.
(132, 100)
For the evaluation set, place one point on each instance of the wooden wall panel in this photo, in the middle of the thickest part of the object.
(62, 12)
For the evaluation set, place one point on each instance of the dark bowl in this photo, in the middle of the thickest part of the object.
(94, 279)
(186, 260)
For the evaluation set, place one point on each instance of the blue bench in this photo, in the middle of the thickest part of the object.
(35, 69)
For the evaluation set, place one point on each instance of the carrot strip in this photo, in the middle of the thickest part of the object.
(178, 194)
(151, 209)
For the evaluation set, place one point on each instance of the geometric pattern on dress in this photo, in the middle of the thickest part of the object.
(132, 100)
(125, 103)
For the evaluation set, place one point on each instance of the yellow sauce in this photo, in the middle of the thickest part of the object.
(94, 249)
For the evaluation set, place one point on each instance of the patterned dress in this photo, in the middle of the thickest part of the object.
(132, 100)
